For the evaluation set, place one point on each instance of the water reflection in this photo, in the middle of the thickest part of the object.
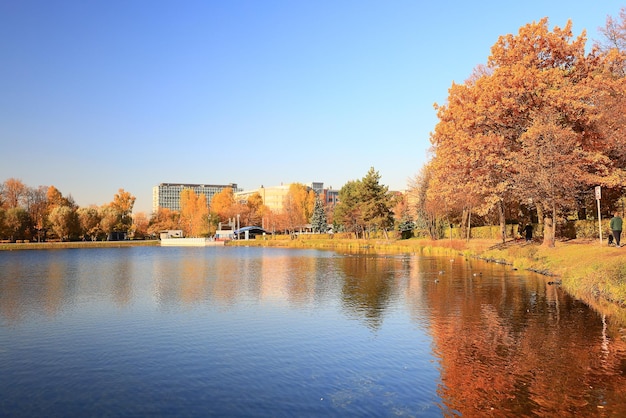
(509, 346)
(498, 342)
(228, 280)
(369, 286)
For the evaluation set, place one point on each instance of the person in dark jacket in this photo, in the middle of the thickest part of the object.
(528, 231)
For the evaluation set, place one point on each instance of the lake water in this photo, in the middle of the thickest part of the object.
(241, 332)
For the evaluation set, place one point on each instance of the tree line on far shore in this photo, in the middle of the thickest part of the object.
(365, 207)
(43, 213)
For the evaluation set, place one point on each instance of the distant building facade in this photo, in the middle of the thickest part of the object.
(330, 197)
(167, 195)
(274, 197)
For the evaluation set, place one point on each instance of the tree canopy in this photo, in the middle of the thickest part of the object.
(222, 204)
(194, 213)
(365, 206)
(528, 126)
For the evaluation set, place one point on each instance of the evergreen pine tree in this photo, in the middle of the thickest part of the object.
(348, 213)
(318, 220)
(376, 202)
(406, 226)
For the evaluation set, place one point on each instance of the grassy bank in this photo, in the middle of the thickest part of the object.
(77, 244)
(585, 269)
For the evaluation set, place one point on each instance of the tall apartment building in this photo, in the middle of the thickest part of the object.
(167, 195)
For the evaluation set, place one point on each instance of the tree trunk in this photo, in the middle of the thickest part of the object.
(464, 222)
(553, 243)
(469, 224)
(547, 232)
(432, 228)
(502, 221)
(549, 228)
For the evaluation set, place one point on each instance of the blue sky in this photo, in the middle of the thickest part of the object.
(101, 95)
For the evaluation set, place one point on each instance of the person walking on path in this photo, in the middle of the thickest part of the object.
(616, 228)
(528, 230)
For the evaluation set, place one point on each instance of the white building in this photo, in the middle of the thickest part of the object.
(274, 197)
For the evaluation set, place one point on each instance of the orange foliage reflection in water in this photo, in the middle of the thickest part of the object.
(521, 349)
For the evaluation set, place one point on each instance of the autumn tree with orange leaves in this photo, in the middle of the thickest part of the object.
(527, 128)
(163, 220)
(222, 205)
(62, 217)
(427, 211)
(256, 210)
(122, 206)
(194, 213)
(297, 207)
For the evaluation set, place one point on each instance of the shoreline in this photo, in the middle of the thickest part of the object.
(593, 273)
(76, 244)
(585, 269)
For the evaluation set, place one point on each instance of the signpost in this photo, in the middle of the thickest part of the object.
(598, 197)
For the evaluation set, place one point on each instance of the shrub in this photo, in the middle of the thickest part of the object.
(566, 230)
(589, 228)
